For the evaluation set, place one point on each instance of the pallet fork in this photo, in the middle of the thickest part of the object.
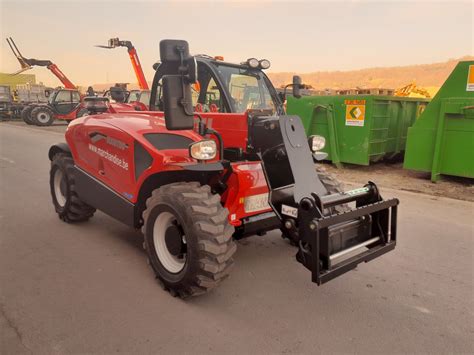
(330, 243)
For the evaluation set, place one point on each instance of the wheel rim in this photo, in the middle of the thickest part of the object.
(166, 222)
(60, 188)
(43, 117)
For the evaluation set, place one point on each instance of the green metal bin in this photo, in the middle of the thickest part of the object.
(442, 140)
(359, 129)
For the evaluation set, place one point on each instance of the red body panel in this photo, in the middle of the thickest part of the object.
(114, 166)
(247, 179)
(122, 107)
(69, 116)
(232, 126)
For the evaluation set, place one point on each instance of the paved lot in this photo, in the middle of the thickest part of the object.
(87, 288)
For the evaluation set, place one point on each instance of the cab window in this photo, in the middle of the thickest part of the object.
(206, 94)
(145, 97)
(133, 96)
(63, 96)
(76, 98)
(247, 88)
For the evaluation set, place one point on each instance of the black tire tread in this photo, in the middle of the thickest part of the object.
(26, 114)
(75, 209)
(34, 114)
(208, 219)
(333, 186)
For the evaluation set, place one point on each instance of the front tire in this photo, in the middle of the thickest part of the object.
(333, 186)
(188, 238)
(42, 116)
(69, 207)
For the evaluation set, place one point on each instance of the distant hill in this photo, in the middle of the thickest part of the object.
(429, 76)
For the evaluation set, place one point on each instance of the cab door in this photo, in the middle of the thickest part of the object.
(63, 102)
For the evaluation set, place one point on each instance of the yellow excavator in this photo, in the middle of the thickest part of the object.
(406, 90)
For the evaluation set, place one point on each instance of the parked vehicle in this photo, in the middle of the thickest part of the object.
(63, 104)
(6, 102)
(194, 181)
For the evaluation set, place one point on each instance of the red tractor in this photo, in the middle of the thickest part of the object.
(63, 104)
(193, 181)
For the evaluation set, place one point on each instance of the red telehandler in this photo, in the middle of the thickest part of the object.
(193, 181)
(63, 104)
(137, 99)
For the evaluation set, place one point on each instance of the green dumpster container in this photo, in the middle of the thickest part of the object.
(359, 129)
(442, 139)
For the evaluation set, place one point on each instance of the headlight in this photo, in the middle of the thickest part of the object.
(264, 64)
(316, 143)
(253, 62)
(203, 150)
(256, 203)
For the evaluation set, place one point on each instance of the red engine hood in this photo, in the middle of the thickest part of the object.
(135, 124)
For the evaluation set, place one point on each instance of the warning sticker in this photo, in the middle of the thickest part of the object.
(355, 112)
(470, 79)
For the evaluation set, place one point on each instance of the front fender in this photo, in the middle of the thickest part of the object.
(58, 148)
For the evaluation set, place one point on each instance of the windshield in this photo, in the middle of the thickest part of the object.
(248, 88)
(134, 96)
(51, 98)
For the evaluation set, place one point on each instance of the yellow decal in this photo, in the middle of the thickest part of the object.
(470, 79)
(421, 108)
(354, 102)
(355, 112)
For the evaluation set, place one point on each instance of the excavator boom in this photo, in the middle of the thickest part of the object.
(411, 88)
(28, 63)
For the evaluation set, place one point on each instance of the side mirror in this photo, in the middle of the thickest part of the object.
(177, 97)
(174, 54)
(178, 105)
(297, 86)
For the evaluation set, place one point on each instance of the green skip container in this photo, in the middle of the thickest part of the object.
(442, 139)
(359, 129)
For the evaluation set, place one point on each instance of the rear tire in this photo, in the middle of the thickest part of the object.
(333, 186)
(26, 114)
(42, 116)
(69, 207)
(188, 238)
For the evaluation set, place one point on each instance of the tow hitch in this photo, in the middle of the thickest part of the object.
(330, 243)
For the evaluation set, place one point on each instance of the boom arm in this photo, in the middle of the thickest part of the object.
(60, 75)
(132, 52)
(28, 63)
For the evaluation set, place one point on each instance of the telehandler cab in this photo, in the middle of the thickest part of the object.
(194, 181)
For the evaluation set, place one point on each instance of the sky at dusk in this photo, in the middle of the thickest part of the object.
(294, 36)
